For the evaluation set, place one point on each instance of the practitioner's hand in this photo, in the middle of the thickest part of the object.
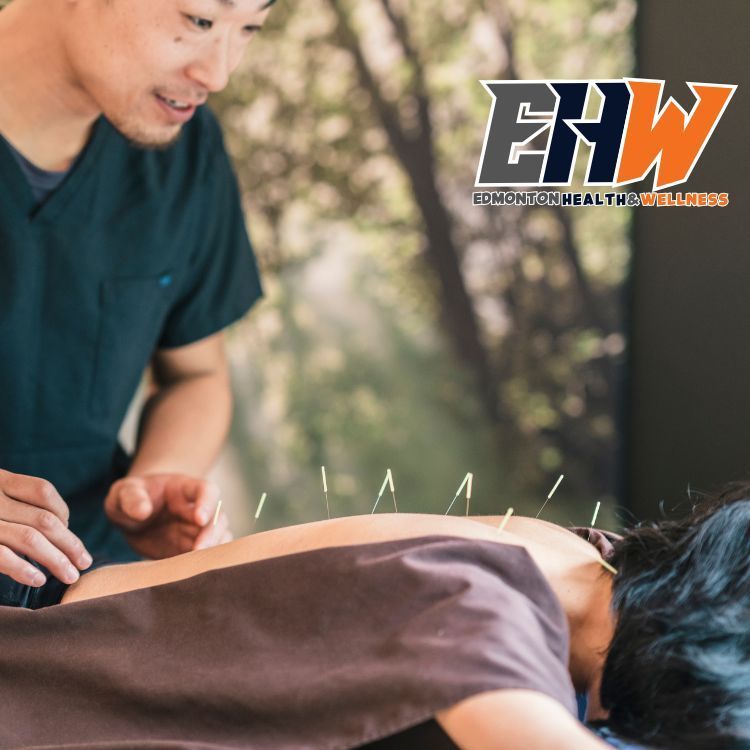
(163, 515)
(34, 523)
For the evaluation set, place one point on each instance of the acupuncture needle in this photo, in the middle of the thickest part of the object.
(467, 480)
(325, 491)
(551, 492)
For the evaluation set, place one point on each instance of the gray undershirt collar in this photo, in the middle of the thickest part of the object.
(43, 182)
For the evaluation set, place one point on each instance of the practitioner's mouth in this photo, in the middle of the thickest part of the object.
(178, 111)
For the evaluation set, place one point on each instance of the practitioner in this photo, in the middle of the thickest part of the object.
(122, 243)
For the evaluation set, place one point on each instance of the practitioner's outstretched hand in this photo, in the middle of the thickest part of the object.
(163, 515)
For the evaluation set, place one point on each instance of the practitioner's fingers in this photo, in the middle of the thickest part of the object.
(184, 534)
(212, 535)
(33, 491)
(23, 519)
(188, 537)
(192, 498)
(132, 501)
(28, 541)
(206, 501)
(161, 540)
(18, 569)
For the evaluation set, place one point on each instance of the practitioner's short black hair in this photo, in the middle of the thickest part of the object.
(677, 673)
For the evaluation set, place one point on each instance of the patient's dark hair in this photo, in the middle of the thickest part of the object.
(677, 673)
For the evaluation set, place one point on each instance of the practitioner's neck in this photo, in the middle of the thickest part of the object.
(44, 111)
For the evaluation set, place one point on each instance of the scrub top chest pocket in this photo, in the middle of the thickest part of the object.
(132, 311)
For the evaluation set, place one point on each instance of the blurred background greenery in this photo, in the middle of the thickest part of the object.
(403, 327)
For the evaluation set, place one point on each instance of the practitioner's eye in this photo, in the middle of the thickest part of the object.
(204, 24)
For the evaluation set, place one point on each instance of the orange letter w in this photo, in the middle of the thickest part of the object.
(666, 139)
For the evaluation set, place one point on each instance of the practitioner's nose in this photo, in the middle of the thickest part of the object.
(217, 62)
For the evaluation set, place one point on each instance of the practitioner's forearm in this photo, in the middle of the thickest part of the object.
(183, 426)
(186, 419)
(165, 504)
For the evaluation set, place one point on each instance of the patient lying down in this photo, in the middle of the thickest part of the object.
(361, 631)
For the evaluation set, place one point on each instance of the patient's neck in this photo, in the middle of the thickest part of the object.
(583, 586)
(591, 627)
(584, 589)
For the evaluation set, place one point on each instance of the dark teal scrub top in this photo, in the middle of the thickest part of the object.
(135, 250)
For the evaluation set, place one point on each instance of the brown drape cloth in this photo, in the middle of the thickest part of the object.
(329, 648)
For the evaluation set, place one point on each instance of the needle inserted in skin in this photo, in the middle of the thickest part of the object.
(504, 522)
(216, 514)
(382, 490)
(600, 559)
(389, 477)
(607, 566)
(468, 479)
(551, 492)
(260, 506)
(325, 491)
(468, 493)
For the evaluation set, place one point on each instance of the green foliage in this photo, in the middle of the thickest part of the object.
(359, 390)
(369, 382)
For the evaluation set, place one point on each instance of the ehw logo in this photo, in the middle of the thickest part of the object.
(631, 135)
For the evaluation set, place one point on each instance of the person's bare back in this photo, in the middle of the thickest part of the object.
(554, 549)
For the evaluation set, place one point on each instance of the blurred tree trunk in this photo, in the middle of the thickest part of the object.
(414, 149)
